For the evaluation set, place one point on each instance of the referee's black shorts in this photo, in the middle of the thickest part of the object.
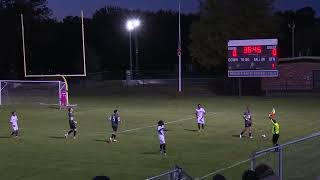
(275, 138)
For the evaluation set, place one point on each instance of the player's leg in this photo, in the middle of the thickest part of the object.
(199, 127)
(243, 131)
(250, 132)
(16, 132)
(274, 139)
(202, 125)
(164, 149)
(160, 148)
(74, 133)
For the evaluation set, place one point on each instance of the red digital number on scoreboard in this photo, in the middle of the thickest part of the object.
(252, 50)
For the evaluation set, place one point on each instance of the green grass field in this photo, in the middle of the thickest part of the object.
(42, 152)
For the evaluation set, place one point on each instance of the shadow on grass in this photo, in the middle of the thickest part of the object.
(101, 140)
(236, 135)
(191, 130)
(57, 137)
(151, 153)
(4, 137)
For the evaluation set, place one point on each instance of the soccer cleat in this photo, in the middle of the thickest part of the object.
(115, 140)
(110, 139)
(251, 137)
(66, 135)
(74, 137)
(165, 154)
(240, 136)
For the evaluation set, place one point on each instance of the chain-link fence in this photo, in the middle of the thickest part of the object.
(294, 160)
(175, 174)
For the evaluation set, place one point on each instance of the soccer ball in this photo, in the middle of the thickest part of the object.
(263, 135)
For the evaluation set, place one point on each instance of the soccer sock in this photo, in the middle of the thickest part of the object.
(250, 134)
(161, 147)
(164, 148)
(114, 136)
(12, 133)
(16, 133)
(74, 133)
(70, 131)
(202, 126)
(199, 126)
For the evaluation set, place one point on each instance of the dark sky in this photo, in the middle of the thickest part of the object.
(63, 8)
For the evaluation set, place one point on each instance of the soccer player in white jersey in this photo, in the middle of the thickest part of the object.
(200, 115)
(14, 124)
(161, 136)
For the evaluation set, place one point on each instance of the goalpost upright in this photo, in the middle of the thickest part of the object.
(63, 76)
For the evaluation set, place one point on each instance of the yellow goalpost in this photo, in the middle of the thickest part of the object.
(63, 76)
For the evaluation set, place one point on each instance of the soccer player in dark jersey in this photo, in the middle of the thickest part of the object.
(72, 124)
(115, 121)
(247, 123)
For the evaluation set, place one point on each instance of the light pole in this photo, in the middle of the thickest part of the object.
(132, 25)
(179, 47)
(292, 26)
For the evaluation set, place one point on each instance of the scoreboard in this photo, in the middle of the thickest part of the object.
(253, 58)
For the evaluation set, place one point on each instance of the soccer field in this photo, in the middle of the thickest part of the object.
(42, 152)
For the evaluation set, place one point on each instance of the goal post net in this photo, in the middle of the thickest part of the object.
(32, 92)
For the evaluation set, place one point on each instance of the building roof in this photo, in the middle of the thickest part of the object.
(315, 59)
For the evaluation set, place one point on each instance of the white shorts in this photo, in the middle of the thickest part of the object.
(15, 127)
(201, 121)
(162, 139)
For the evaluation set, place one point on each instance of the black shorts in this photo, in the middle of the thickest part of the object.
(73, 126)
(275, 138)
(115, 128)
(247, 124)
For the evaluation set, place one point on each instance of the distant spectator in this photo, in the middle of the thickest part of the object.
(250, 175)
(218, 177)
(265, 172)
(101, 178)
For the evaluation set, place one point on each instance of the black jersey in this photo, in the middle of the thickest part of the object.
(115, 119)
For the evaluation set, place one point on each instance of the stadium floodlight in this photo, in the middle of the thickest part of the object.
(32, 92)
(131, 25)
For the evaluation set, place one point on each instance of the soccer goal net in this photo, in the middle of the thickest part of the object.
(31, 92)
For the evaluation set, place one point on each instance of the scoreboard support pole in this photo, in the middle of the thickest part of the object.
(239, 86)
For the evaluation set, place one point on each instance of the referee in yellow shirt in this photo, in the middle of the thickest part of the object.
(275, 130)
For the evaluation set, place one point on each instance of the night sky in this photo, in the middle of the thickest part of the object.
(62, 8)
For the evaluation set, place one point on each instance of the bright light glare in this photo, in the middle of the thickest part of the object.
(132, 24)
(136, 23)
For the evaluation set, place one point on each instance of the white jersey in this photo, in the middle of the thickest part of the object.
(200, 112)
(14, 122)
(161, 134)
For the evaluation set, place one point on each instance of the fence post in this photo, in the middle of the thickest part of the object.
(280, 163)
(253, 161)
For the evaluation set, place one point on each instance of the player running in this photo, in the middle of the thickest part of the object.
(161, 136)
(72, 124)
(247, 123)
(275, 129)
(115, 121)
(200, 115)
(14, 124)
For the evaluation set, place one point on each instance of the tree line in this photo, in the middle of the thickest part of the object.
(55, 46)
